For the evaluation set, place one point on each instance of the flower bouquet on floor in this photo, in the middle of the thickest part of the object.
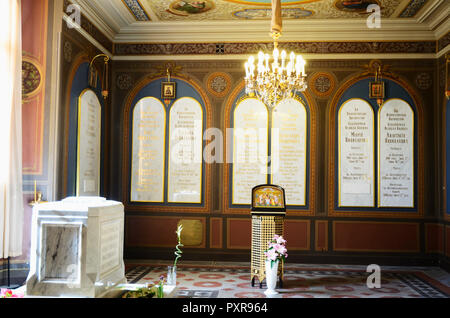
(275, 253)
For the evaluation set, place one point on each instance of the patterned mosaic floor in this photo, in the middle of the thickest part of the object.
(300, 281)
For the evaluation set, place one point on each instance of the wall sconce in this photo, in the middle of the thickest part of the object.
(93, 75)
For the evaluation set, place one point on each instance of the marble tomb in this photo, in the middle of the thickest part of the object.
(77, 248)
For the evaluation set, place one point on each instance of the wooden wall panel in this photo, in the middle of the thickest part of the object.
(434, 238)
(376, 236)
(239, 235)
(297, 234)
(321, 236)
(216, 233)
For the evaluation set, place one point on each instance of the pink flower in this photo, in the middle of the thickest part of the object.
(280, 249)
(276, 248)
(280, 240)
(271, 255)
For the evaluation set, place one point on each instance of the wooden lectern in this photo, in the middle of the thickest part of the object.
(268, 212)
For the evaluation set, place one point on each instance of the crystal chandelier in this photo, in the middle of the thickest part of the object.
(273, 80)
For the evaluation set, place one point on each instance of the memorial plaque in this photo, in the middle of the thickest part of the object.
(250, 149)
(396, 154)
(89, 144)
(148, 151)
(288, 155)
(185, 151)
(356, 154)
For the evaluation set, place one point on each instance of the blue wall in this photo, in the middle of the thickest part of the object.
(79, 84)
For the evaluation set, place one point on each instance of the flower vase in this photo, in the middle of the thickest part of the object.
(271, 277)
(171, 275)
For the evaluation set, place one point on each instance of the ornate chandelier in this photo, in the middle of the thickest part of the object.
(279, 78)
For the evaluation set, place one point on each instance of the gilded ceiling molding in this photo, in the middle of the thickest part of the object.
(379, 47)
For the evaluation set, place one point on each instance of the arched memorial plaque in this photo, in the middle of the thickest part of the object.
(289, 150)
(356, 154)
(89, 144)
(148, 155)
(396, 154)
(185, 151)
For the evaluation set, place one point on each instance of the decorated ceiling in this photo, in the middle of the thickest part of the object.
(203, 10)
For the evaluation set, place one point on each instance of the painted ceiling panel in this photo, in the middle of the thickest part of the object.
(203, 10)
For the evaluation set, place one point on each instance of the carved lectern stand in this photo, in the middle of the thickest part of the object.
(268, 212)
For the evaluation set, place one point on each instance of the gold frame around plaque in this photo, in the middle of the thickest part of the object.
(77, 182)
(339, 155)
(169, 154)
(131, 146)
(413, 157)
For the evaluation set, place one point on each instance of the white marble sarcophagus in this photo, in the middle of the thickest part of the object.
(77, 248)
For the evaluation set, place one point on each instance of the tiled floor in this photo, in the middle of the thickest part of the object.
(434, 272)
(201, 279)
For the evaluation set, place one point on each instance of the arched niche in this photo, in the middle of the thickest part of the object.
(77, 85)
(396, 90)
(300, 111)
(193, 105)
